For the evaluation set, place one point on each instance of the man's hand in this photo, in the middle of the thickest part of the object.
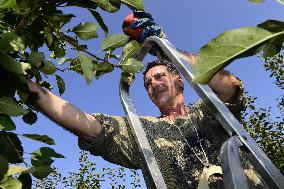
(143, 24)
(139, 25)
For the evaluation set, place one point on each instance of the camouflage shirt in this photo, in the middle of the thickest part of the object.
(178, 164)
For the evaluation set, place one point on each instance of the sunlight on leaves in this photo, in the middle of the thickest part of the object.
(41, 138)
(86, 31)
(11, 183)
(5, 4)
(134, 4)
(87, 67)
(130, 49)
(227, 47)
(114, 41)
(132, 65)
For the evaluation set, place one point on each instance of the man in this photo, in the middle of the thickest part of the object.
(184, 139)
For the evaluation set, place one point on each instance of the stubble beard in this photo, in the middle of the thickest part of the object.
(164, 100)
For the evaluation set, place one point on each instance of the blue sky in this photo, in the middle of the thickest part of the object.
(189, 25)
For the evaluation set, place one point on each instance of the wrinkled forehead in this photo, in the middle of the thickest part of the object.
(155, 70)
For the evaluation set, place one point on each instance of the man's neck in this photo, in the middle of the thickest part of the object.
(174, 111)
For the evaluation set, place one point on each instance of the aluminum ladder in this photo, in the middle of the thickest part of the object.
(234, 177)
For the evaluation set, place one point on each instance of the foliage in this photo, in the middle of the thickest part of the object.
(238, 43)
(275, 65)
(268, 134)
(267, 37)
(88, 176)
(25, 27)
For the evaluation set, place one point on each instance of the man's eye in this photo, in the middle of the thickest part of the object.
(147, 84)
(159, 76)
(162, 75)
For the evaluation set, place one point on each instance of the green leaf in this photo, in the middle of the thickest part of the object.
(58, 20)
(30, 118)
(24, 66)
(60, 84)
(4, 166)
(6, 123)
(48, 35)
(26, 180)
(227, 47)
(11, 183)
(102, 68)
(86, 30)
(41, 161)
(273, 46)
(100, 20)
(58, 50)
(42, 157)
(11, 64)
(15, 170)
(256, 1)
(127, 77)
(49, 68)
(41, 172)
(9, 107)
(132, 65)
(11, 147)
(87, 67)
(108, 5)
(114, 41)
(272, 25)
(36, 57)
(134, 4)
(5, 4)
(11, 42)
(130, 49)
(76, 66)
(48, 152)
(42, 138)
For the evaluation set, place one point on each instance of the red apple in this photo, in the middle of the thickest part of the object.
(134, 33)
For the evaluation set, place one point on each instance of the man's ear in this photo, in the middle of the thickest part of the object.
(180, 83)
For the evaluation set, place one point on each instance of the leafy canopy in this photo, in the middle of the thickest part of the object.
(25, 27)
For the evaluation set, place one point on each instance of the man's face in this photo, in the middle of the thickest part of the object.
(162, 86)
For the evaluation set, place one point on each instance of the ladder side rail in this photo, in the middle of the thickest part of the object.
(258, 158)
(233, 172)
(149, 163)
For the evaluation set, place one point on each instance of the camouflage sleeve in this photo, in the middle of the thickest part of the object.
(115, 143)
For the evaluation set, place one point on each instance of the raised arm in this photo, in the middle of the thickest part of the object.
(63, 113)
(224, 84)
